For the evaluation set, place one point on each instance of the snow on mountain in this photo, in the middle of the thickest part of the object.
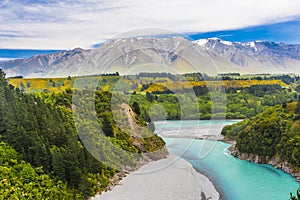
(243, 57)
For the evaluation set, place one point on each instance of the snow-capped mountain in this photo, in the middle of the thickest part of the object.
(255, 56)
(45, 65)
(242, 57)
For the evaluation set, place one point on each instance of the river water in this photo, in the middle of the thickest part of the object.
(234, 178)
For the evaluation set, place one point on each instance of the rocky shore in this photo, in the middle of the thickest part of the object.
(275, 161)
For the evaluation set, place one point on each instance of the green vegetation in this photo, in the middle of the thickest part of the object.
(19, 180)
(246, 95)
(274, 132)
(38, 126)
(40, 129)
(240, 102)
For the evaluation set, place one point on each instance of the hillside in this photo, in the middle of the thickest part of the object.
(176, 52)
(41, 129)
(272, 136)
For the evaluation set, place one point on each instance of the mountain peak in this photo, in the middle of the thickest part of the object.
(203, 42)
(78, 49)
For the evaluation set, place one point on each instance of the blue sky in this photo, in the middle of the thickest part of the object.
(11, 54)
(286, 32)
(67, 24)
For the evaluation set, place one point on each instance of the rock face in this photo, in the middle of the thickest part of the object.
(242, 57)
(275, 161)
(136, 132)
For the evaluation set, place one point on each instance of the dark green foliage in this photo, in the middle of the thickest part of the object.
(273, 132)
(297, 111)
(263, 132)
(229, 74)
(149, 97)
(111, 74)
(232, 131)
(19, 180)
(41, 129)
(200, 90)
(289, 147)
(136, 108)
(298, 87)
(261, 90)
(45, 136)
(239, 104)
(107, 126)
(157, 74)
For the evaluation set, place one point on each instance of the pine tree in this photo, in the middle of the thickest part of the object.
(136, 108)
(107, 127)
(297, 111)
(149, 97)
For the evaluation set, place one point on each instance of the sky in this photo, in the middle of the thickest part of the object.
(58, 24)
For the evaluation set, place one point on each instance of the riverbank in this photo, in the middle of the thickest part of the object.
(170, 178)
(274, 161)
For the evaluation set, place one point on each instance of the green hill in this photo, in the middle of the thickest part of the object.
(272, 136)
(41, 129)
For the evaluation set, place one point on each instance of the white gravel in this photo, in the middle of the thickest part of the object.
(168, 179)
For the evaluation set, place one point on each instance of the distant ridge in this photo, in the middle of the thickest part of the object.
(239, 57)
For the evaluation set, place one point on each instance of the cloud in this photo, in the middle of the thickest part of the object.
(55, 24)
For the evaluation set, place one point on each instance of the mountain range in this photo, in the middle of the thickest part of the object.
(173, 54)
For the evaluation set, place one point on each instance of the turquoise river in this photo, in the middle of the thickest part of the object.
(235, 179)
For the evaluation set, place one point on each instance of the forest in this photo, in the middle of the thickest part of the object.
(39, 136)
(238, 103)
(272, 133)
(246, 95)
(42, 154)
